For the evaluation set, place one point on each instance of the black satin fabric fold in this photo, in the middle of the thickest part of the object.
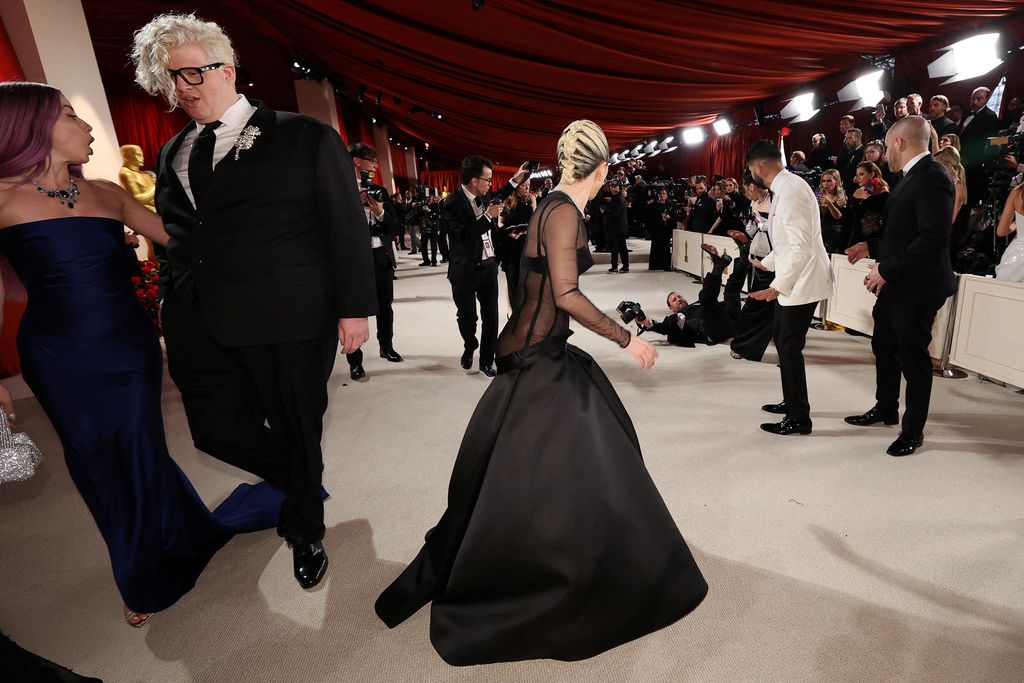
(556, 543)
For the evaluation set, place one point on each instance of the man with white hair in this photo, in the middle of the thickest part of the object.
(269, 267)
(912, 278)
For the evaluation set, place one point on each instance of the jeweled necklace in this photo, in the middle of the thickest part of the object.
(66, 197)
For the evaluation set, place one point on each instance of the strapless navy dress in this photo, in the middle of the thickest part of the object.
(92, 357)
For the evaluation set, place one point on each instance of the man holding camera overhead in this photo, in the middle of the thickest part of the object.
(383, 222)
(469, 214)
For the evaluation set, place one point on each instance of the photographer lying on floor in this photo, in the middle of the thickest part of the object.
(709, 321)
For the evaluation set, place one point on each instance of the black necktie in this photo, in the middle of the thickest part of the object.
(200, 161)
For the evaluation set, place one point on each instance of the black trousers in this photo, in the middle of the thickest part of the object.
(617, 246)
(718, 318)
(430, 240)
(232, 394)
(385, 282)
(477, 282)
(791, 324)
(903, 330)
(756, 321)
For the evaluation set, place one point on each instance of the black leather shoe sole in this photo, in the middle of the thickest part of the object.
(775, 408)
(467, 360)
(489, 370)
(391, 356)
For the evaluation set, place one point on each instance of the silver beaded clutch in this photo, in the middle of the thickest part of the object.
(19, 455)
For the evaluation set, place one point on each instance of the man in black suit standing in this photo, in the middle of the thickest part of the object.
(270, 266)
(912, 279)
(978, 126)
(383, 222)
(469, 214)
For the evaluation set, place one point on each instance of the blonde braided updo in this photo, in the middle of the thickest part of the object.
(581, 149)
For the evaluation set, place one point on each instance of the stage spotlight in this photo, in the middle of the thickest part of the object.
(693, 135)
(722, 126)
(636, 152)
(967, 59)
(800, 108)
(649, 147)
(614, 160)
(373, 120)
(866, 90)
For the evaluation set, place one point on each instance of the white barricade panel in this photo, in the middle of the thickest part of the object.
(989, 328)
(852, 304)
(686, 252)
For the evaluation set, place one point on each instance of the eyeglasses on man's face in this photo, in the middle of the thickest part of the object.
(484, 180)
(193, 75)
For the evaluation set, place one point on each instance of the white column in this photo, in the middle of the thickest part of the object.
(386, 175)
(53, 45)
(317, 100)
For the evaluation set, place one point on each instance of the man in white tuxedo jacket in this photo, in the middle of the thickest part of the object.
(803, 277)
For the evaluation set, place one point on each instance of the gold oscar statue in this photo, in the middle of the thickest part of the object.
(142, 185)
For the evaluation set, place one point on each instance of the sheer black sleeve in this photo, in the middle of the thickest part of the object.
(560, 239)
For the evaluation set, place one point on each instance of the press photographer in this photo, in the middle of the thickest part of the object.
(662, 217)
(709, 321)
(383, 224)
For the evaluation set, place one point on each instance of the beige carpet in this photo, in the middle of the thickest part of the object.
(827, 560)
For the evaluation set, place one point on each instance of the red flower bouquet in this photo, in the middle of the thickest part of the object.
(146, 288)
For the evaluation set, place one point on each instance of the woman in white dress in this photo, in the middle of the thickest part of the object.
(1011, 266)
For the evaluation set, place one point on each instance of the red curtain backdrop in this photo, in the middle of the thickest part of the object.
(509, 77)
(452, 179)
(144, 121)
(10, 69)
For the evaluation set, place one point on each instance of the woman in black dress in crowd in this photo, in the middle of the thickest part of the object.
(832, 205)
(867, 206)
(515, 217)
(556, 543)
(660, 224)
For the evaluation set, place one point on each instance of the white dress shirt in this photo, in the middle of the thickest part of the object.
(232, 121)
(910, 164)
(803, 273)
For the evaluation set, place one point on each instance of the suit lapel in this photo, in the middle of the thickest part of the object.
(262, 119)
(895, 193)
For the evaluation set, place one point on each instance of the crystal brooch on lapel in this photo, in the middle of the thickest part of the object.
(246, 139)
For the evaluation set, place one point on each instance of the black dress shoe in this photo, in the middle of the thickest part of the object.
(788, 426)
(905, 445)
(467, 360)
(488, 370)
(310, 562)
(871, 417)
(425, 263)
(390, 355)
(613, 270)
(624, 270)
(357, 372)
(775, 408)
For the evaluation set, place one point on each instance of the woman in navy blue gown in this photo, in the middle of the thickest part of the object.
(92, 357)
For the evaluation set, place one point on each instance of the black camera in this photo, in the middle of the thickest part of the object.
(367, 186)
(630, 311)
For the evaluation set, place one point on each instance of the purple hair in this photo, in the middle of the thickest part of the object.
(28, 112)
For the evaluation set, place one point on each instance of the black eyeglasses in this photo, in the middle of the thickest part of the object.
(486, 180)
(193, 75)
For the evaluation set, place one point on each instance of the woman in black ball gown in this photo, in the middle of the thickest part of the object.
(556, 543)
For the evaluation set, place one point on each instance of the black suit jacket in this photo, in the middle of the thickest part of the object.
(280, 248)
(974, 138)
(913, 254)
(689, 334)
(465, 231)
